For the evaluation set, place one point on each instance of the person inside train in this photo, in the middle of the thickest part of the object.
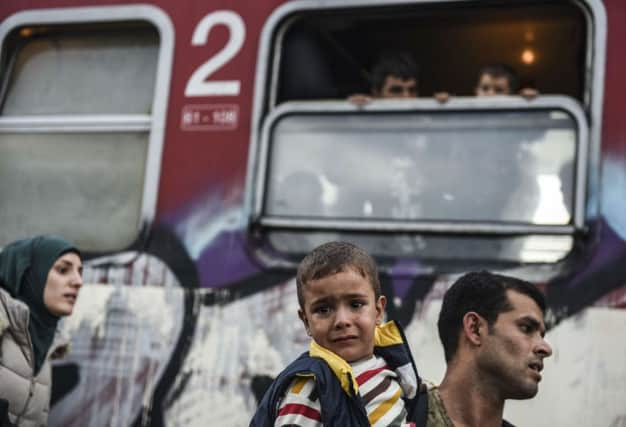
(40, 279)
(357, 371)
(496, 79)
(500, 79)
(394, 76)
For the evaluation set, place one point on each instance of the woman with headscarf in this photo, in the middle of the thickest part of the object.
(39, 282)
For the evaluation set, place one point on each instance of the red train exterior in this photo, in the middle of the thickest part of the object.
(189, 306)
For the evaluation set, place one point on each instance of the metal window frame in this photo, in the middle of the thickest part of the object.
(587, 178)
(460, 104)
(153, 124)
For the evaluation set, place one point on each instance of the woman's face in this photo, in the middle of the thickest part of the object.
(64, 282)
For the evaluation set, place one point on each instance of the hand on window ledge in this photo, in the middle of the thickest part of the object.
(360, 99)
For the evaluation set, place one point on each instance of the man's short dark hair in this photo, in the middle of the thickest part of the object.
(399, 64)
(484, 293)
(332, 258)
(499, 71)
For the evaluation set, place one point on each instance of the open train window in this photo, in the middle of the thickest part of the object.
(329, 53)
(81, 122)
(475, 179)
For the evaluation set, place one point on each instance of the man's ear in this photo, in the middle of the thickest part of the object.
(305, 321)
(380, 309)
(474, 327)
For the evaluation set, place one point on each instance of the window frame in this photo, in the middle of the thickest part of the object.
(264, 113)
(153, 124)
(462, 104)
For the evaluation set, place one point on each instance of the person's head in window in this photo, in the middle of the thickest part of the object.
(496, 79)
(395, 75)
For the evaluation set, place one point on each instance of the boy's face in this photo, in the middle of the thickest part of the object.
(397, 87)
(341, 312)
(489, 85)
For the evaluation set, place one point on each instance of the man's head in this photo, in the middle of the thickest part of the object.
(496, 79)
(395, 76)
(494, 324)
(339, 297)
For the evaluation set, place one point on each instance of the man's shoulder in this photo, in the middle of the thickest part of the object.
(437, 414)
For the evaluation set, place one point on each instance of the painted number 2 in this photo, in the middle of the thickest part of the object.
(198, 84)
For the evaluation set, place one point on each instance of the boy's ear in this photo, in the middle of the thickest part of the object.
(474, 327)
(305, 321)
(380, 309)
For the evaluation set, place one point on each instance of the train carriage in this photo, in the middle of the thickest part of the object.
(197, 150)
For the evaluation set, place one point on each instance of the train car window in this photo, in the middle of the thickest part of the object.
(84, 72)
(60, 178)
(81, 123)
(331, 168)
(353, 166)
(494, 179)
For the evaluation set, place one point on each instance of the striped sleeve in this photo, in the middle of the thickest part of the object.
(381, 393)
(300, 406)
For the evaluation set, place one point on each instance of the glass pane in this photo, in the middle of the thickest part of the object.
(87, 73)
(497, 166)
(87, 187)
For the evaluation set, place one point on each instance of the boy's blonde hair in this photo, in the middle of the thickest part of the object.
(332, 258)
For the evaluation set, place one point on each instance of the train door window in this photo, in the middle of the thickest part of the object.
(81, 125)
(489, 179)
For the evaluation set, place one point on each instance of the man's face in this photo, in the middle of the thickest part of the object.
(341, 312)
(489, 85)
(396, 87)
(511, 357)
